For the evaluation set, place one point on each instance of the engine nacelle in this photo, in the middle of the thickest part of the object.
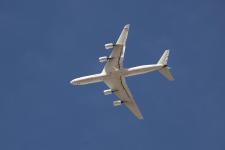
(109, 45)
(103, 59)
(117, 103)
(108, 91)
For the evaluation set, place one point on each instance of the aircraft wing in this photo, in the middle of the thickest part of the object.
(122, 91)
(118, 51)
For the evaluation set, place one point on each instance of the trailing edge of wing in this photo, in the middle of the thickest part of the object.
(131, 104)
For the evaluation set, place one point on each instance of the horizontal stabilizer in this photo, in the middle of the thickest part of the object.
(166, 73)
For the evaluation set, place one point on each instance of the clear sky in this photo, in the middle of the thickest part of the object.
(46, 43)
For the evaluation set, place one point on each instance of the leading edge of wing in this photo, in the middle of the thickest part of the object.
(123, 36)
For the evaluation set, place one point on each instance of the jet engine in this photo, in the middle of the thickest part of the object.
(108, 91)
(109, 45)
(104, 59)
(117, 103)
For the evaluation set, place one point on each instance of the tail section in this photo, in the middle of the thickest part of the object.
(164, 58)
(165, 70)
(166, 73)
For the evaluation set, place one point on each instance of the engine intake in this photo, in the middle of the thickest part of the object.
(117, 103)
(109, 45)
(104, 59)
(108, 91)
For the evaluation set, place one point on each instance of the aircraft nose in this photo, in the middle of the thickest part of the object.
(74, 82)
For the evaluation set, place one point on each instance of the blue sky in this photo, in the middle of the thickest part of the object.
(46, 43)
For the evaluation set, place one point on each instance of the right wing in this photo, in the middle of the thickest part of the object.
(122, 91)
(118, 52)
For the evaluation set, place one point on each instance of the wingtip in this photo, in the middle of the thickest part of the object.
(167, 49)
(141, 118)
(127, 26)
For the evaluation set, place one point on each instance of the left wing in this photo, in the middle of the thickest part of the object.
(118, 52)
(122, 91)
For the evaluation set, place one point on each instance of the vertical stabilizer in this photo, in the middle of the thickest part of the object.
(164, 58)
(165, 70)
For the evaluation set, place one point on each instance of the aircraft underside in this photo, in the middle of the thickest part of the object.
(114, 74)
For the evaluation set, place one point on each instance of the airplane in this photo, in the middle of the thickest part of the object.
(114, 73)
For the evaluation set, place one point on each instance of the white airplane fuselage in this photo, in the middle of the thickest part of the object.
(117, 72)
(114, 74)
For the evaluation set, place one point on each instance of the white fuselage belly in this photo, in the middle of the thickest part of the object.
(141, 69)
(88, 79)
(124, 72)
